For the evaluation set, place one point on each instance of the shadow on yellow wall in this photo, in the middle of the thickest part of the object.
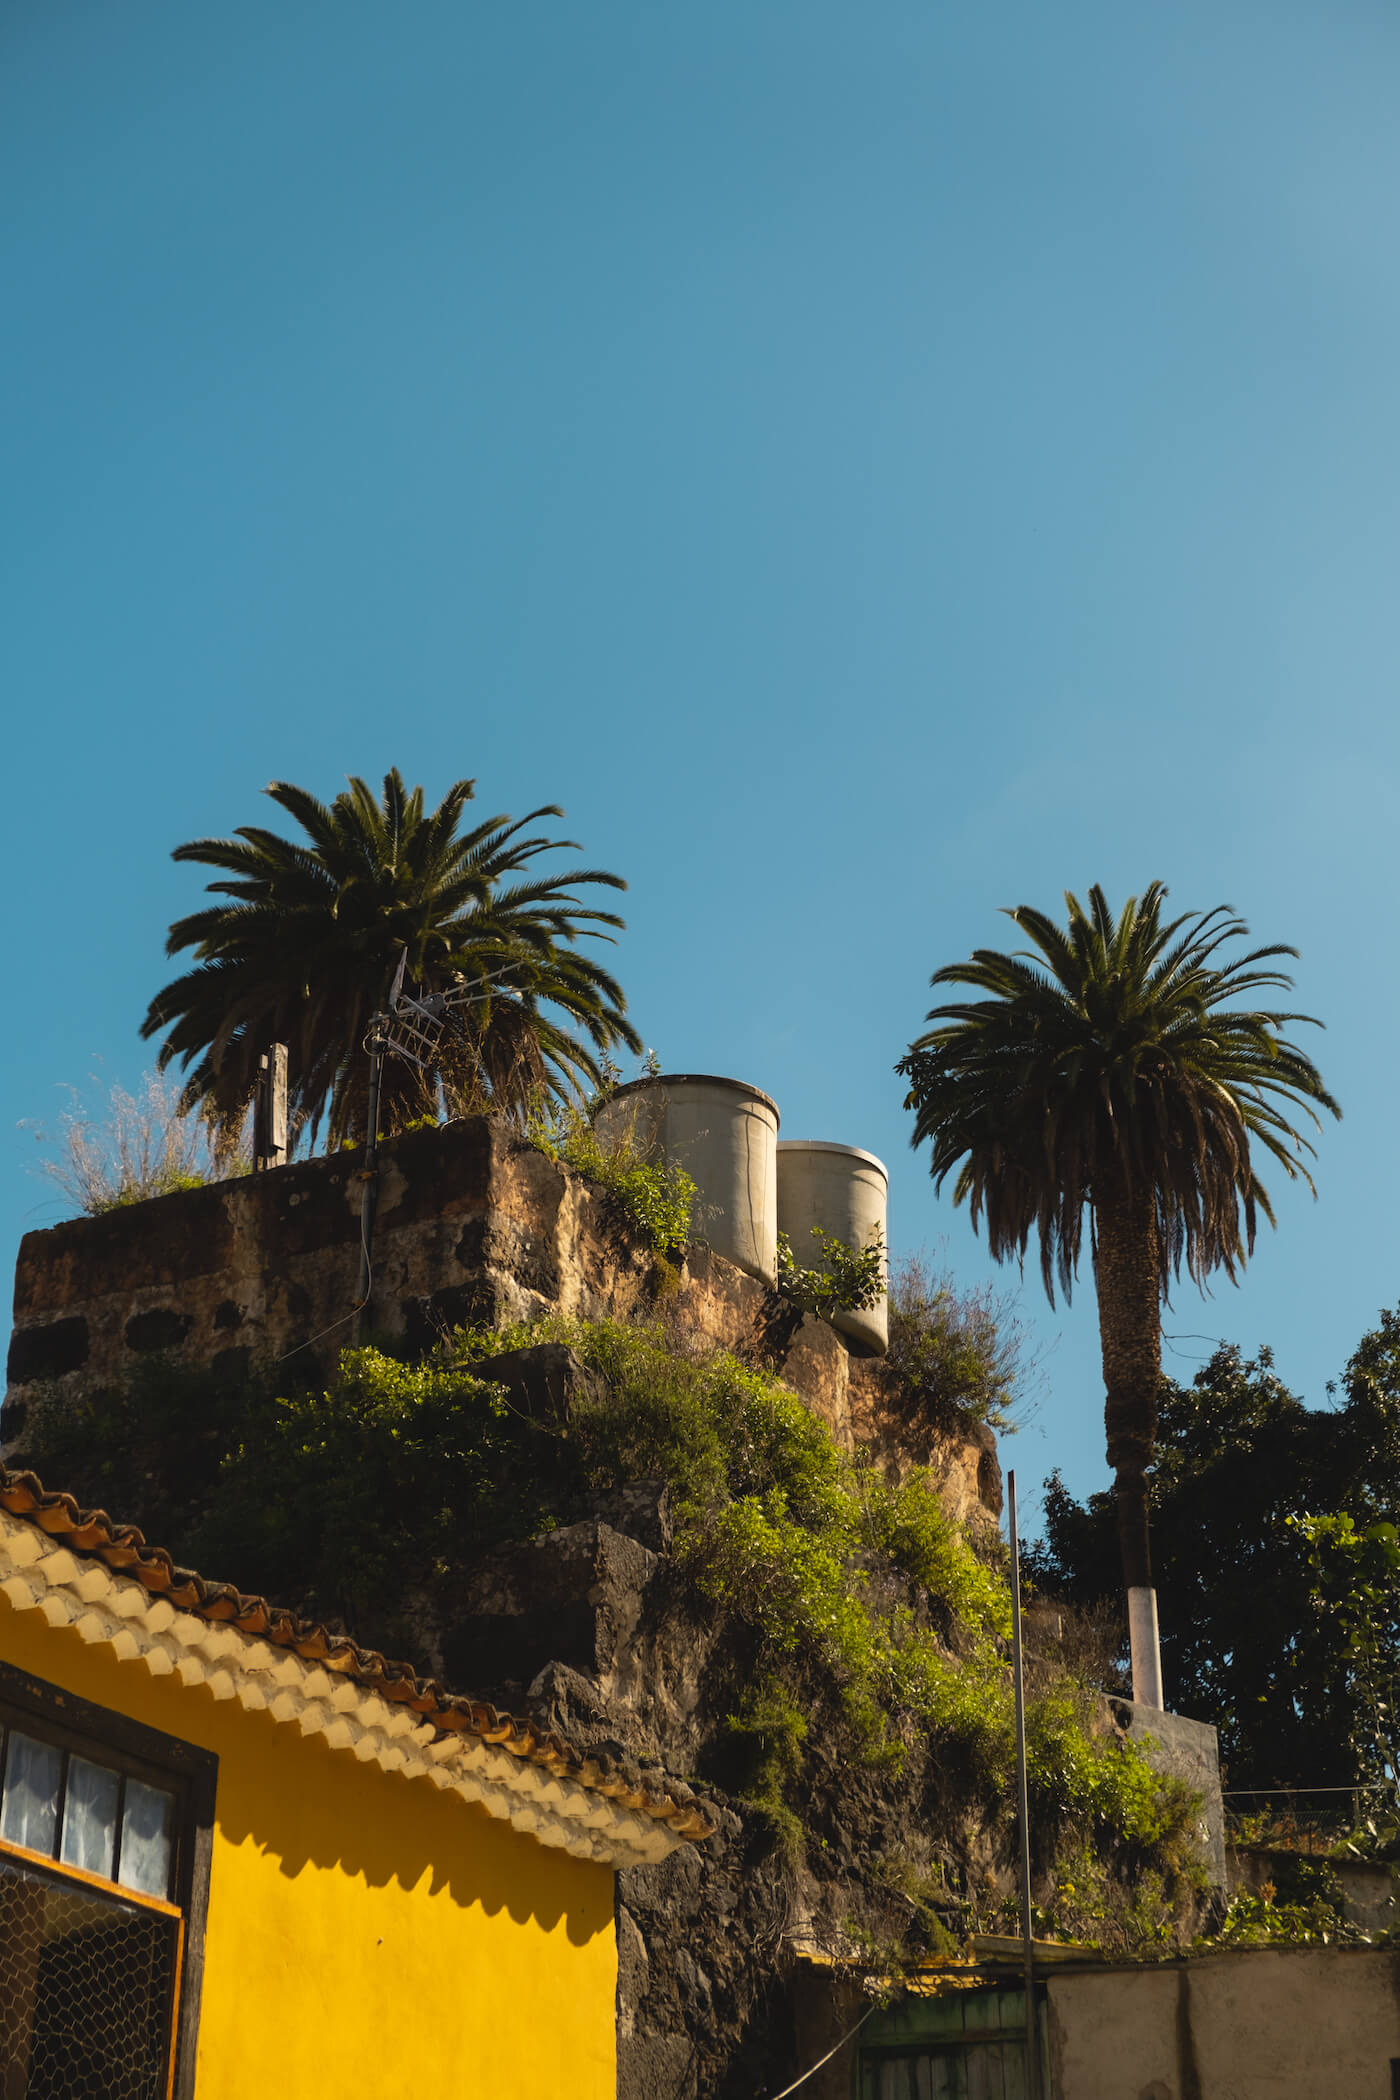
(386, 1900)
(383, 1828)
(303, 1804)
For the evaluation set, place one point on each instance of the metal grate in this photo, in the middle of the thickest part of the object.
(86, 1990)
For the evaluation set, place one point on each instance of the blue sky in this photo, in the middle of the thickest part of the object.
(871, 465)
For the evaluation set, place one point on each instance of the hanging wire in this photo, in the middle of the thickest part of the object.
(814, 2068)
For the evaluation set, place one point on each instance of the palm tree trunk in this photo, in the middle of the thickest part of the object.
(1126, 1276)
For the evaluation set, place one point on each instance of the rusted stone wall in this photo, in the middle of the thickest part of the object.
(472, 1226)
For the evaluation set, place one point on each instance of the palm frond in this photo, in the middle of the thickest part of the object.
(306, 940)
(1112, 1060)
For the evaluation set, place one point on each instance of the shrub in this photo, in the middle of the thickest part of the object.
(864, 1596)
(849, 1279)
(772, 1730)
(953, 1352)
(657, 1200)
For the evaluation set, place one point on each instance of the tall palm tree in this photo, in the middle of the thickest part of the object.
(1118, 1067)
(305, 951)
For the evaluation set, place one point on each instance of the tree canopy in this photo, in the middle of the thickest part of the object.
(305, 948)
(1269, 1522)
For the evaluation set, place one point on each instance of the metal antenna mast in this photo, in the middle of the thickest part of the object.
(412, 1029)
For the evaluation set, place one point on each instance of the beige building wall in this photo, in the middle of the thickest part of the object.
(1278, 2024)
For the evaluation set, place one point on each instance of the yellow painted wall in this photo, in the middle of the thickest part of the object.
(366, 1934)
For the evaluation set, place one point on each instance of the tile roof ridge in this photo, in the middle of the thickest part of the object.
(124, 1550)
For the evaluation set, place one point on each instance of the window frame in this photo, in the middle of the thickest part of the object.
(136, 1751)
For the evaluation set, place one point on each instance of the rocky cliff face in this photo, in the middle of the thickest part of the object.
(595, 1630)
(708, 1942)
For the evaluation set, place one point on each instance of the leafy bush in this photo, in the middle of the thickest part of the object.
(772, 1728)
(340, 1501)
(953, 1352)
(657, 1200)
(848, 1279)
(385, 1482)
(1303, 1905)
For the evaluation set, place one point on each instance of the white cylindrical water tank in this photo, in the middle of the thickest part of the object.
(845, 1192)
(724, 1133)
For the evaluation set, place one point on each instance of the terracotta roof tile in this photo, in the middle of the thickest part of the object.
(123, 1548)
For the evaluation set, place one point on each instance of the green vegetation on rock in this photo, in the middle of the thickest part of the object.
(846, 1279)
(657, 1200)
(863, 1626)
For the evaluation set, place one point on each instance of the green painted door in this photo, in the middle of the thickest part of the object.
(971, 2070)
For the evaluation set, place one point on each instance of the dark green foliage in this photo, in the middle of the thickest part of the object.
(353, 1498)
(305, 951)
(1354, 1591)
(1266, 1613)
(771, 1731)
(658, 1200)
(1302, 1905)
(343, 1501)
(846, 1279)
(148, 1451)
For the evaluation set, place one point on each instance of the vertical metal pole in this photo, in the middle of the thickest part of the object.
(369, 1193)
(260, 1107)
(1033, 2090)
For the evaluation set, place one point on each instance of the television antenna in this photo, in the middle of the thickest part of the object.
(411, 1028)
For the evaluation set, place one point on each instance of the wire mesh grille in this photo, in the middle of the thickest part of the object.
(85, 1991)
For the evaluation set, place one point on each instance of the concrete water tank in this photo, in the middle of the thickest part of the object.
(846, 1192)
(725, 1135)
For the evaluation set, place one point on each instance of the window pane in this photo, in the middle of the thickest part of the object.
(146, 1826)
(30, 1812)
(89, 1817)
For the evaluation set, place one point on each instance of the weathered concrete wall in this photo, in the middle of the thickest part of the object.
(1291, 2023)
(472, 1226)
(1190, 1751)
(1258, 2024)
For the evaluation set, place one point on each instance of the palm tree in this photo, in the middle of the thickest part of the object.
(1111, 1069)
(305, 951)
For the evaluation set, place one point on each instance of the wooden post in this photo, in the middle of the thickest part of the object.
(270, 1110)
